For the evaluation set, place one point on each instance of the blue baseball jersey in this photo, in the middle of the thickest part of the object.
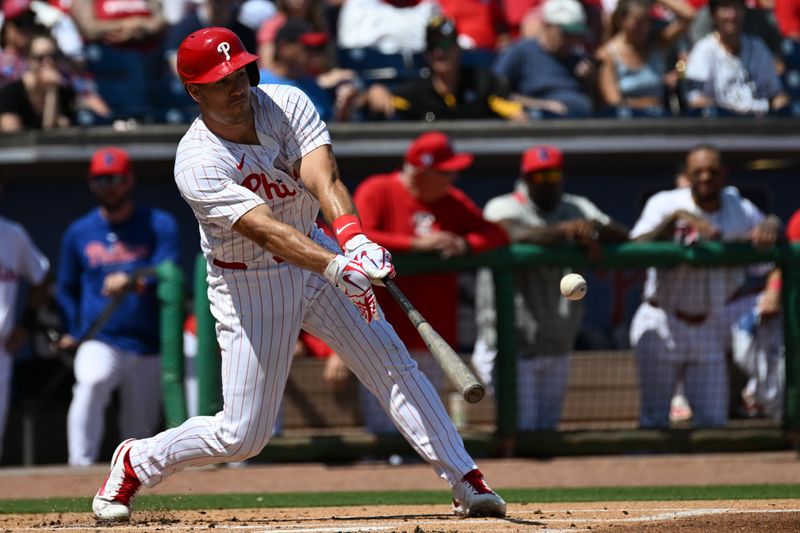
(93, 247)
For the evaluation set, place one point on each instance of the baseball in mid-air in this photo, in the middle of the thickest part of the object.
(573, 286)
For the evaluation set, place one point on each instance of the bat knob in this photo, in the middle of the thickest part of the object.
(474, 393)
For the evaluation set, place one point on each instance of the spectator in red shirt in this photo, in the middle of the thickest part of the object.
(787, 13)
(793, 227)
(417, 208)
(480, 22)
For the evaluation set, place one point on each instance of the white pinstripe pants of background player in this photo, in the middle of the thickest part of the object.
(259, 315)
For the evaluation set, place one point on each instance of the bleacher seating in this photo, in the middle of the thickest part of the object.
(374, 66)
(791, 75)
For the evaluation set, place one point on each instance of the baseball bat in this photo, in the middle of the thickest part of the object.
(454, 368)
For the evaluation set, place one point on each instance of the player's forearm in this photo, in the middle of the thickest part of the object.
(335, 201)
(283, 240)
(90, 26)
(613, 232)
(490, 237)
(661, 232)
(543, 235)
(320, 175)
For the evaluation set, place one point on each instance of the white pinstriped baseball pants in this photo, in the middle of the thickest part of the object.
(259, 316)
(665, 348)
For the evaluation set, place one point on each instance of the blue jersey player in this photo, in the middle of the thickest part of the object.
(99, 253)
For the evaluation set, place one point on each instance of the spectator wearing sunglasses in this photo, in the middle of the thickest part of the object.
(42, 98)
(539, 212)
(100, 253)
(448, 90)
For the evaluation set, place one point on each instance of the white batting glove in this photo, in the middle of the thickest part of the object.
(375, 259)
(351, 278)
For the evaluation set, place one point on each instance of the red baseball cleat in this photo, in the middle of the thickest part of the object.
(473, 497)
(113, 501)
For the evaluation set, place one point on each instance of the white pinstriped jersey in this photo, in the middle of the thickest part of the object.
(260, 309)
(222, 180)
(21, 259)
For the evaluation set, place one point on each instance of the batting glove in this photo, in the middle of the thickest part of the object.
(375, 259)
(351, 278)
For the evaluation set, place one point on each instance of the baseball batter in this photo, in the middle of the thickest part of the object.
(255, 168)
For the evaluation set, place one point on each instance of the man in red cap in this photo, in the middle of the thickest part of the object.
(100, 252)
(539, 212)
(418, 209)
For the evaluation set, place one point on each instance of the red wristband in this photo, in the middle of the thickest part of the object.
(775, 284)
(346, 227)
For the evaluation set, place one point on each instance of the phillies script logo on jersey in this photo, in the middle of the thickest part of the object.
(98, 253)
(6, 274)
(254, 182)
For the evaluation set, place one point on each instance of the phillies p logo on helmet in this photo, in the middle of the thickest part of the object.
(209, 54)
(224, 48)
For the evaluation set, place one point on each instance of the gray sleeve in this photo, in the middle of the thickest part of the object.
(591, 211)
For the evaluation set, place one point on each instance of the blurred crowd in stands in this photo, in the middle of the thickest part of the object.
(99, 62)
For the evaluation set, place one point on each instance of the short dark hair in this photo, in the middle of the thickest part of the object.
(705, 147)
(440, 31)
(713, 5)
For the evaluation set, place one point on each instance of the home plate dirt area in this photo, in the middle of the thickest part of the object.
(699, 516)
(745, 515)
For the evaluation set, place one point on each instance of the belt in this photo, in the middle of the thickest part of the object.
(694, 320)
(235, 265)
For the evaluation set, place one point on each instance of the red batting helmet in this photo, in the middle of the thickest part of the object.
(210, 54)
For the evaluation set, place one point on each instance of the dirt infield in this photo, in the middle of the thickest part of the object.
(717, 469)
(699, 516)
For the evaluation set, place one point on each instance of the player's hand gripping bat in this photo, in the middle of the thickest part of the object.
(114, 303)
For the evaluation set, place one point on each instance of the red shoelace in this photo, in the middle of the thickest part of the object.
(475, 480)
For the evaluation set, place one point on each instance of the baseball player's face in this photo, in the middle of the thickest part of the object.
(226, 101)
(706, 175)
(545, 188)
(432, 184)
(111, 191)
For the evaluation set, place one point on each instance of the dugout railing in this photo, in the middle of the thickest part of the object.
(505, 439)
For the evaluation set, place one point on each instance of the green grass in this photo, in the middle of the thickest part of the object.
(330, 499)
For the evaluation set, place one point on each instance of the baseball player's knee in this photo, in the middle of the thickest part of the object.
(239, 446)
(99, 390)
